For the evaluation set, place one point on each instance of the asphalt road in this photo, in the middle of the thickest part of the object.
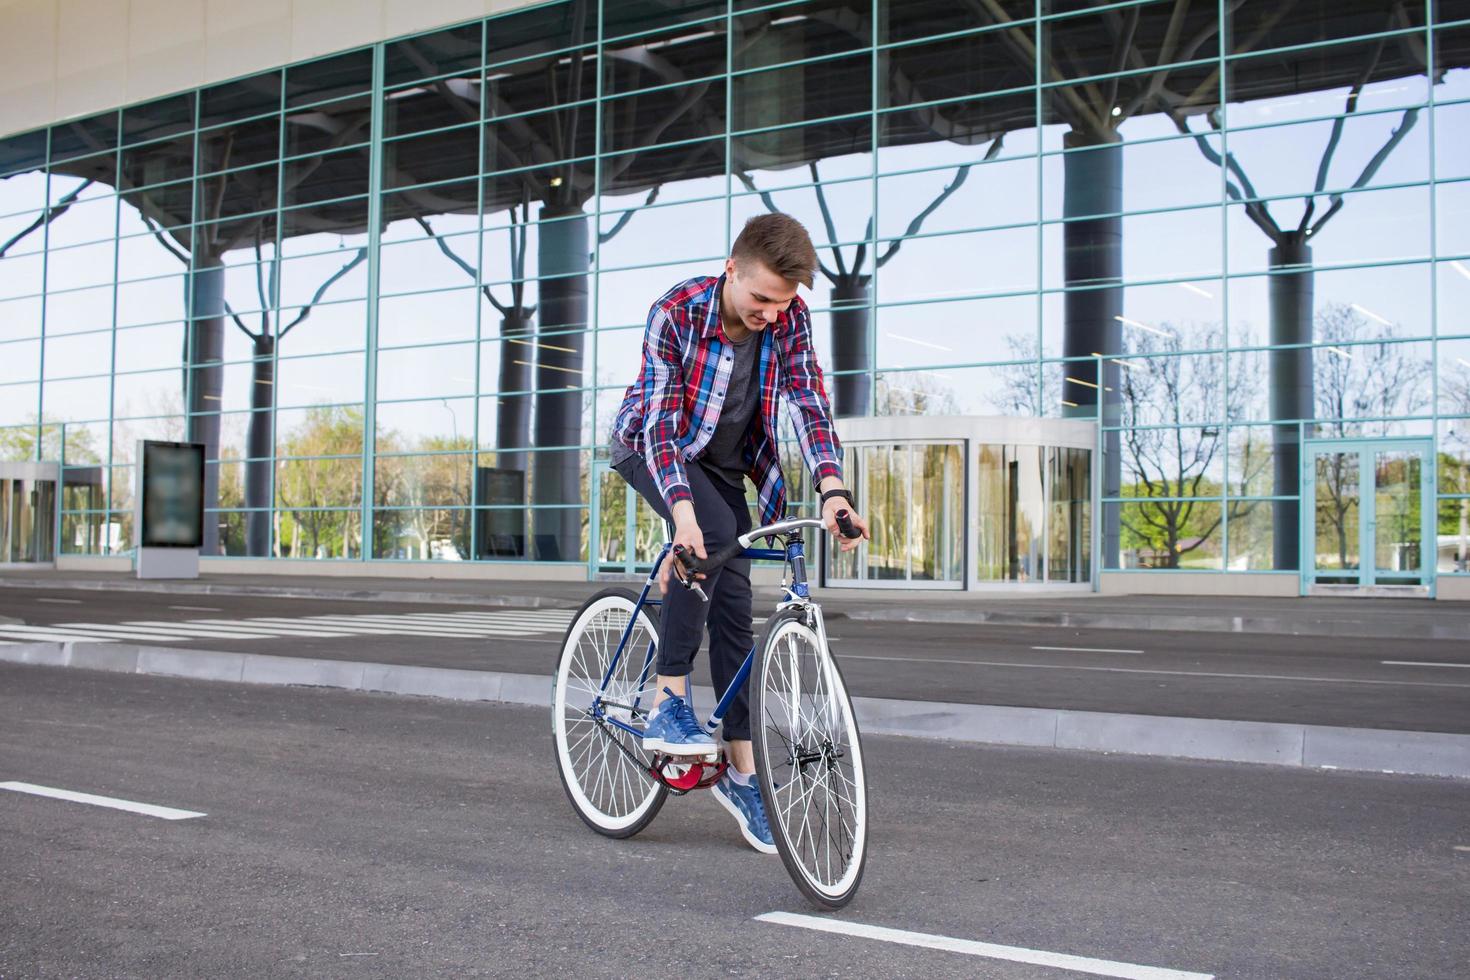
(349, 835)
(1410, 684)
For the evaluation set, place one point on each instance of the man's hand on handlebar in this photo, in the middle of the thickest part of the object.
(686, 535)
(830, 510)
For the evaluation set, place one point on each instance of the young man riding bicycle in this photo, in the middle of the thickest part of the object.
(719, 353)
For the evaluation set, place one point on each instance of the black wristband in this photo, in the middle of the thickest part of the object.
(846, 495)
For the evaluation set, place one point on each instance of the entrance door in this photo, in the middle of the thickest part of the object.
(27, 514)
(1368, 512)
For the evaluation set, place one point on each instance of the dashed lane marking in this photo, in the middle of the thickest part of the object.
(1013, 954)
(1086, 650)
(1142, 670)
(147, 809)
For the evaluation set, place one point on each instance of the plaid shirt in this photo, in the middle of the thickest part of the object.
(670, 412)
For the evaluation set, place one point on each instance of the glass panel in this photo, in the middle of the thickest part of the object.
(502, 519)
(1069, 523)
(27, 520)
(886, 492)
(937, 547)
(974, 64)
(1171, 534)
(545, 28)
(240, 99)
(336, 76)
(678, 54)
(427, 55)
(321, 431)
(624, 18)
(612, 518)
(20, 361)
(1398, 535)
(157, 119)
(318, 483)
(319, 534)
(1252, 534)
(1012, 511)
(88, 534)
(244, 144)
(422, 535)
(1338, 504)
(665, 116)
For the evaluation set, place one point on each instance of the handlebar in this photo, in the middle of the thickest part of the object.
(694, 565)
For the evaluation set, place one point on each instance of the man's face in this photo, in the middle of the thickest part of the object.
(756, 294)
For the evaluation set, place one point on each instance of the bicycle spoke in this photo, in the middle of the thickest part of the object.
(813, 763)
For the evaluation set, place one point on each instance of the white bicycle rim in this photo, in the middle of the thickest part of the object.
(603, 782)
(806, 808)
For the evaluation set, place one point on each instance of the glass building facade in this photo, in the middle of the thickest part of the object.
(398, 292)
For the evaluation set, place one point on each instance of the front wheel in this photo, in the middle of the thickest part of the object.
(603, 767)
(810, 761)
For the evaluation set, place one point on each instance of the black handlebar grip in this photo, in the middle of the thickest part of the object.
(846, 526)
(687, 559)
(714, 561)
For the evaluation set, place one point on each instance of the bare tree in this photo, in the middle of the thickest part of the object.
(1290, 257)
(1174, 406)
(1363, 375)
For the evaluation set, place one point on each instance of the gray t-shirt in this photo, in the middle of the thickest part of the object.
(723, 454)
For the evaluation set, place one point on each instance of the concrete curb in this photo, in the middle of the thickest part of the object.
(1307, 746)
(295, 592)
(1275, 625)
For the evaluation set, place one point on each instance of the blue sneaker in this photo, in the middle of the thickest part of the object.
(748, 809)
(674, 729)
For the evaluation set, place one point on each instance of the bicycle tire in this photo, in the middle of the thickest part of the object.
(808, 754)
(608, 785)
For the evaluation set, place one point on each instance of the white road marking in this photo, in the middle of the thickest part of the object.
(1418, 663)
(34, 634)
(157, 630)
(1463, 848)
(1013, 954)
(62, 602)
(1141, 670)
(1086, 650)
(266, 630)
(115, 631)
(402, 628)
(197, 608)
(473, 625)
(147, 809)
(381, 629)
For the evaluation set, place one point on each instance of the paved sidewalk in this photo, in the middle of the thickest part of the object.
(1319, 616)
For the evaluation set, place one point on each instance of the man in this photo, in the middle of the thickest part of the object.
(702, 416)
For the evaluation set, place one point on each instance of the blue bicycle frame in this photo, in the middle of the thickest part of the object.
(796, 593)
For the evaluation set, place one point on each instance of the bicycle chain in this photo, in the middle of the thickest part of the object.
(651, 775)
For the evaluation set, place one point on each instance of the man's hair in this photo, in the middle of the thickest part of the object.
(779, 242)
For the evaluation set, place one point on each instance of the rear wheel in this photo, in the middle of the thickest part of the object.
(603, 768)
(810, 761)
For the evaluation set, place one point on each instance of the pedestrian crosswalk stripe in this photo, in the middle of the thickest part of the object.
(429, 627)
(350, 628)
(268, 629)
(27, 634)
(453, 624)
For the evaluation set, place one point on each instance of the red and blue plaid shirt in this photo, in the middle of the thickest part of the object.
(670, 412)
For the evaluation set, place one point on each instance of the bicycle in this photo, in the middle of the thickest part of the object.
(804, 733)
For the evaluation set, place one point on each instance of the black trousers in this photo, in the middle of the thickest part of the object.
(723, 516)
